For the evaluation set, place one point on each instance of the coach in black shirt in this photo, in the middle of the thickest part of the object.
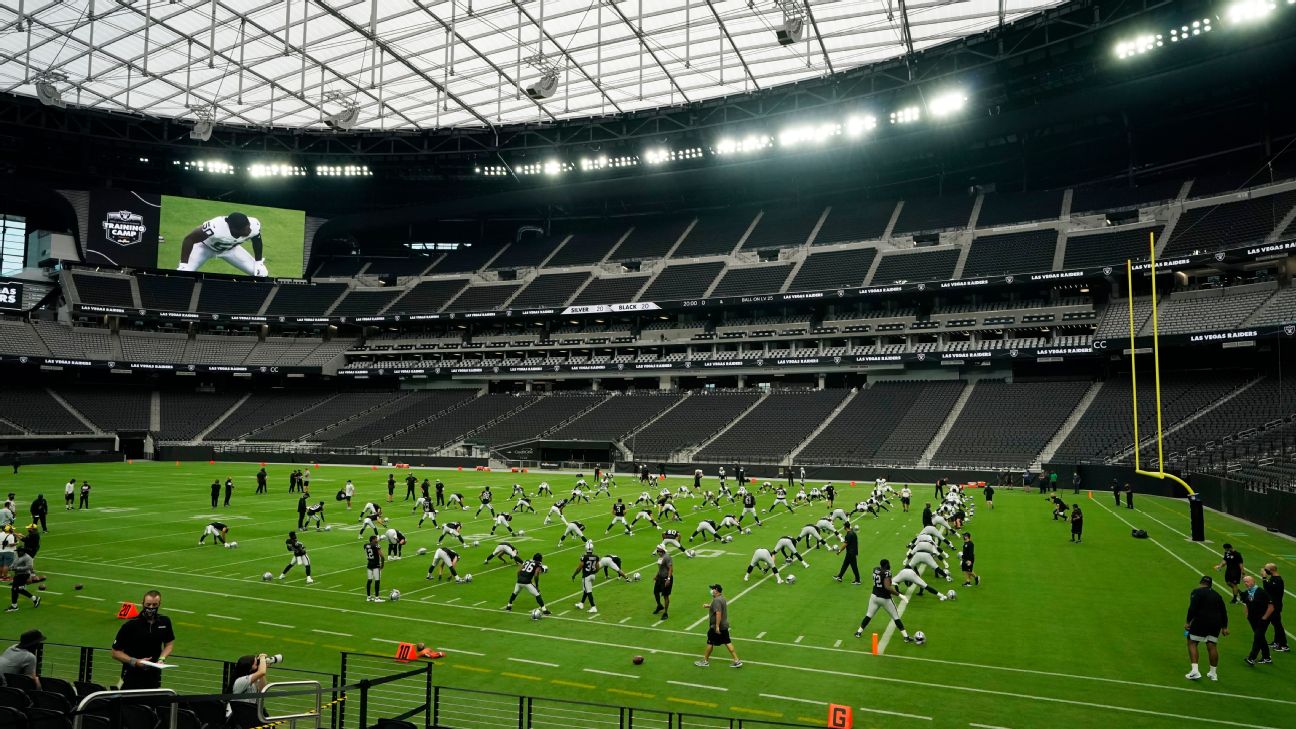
(1274, 585)
(1207, 619)
(301, 511)
(147, 637)
(850, 551)
(927, 515)
(1259, 609)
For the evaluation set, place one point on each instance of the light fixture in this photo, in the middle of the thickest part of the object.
(547, 86)
(204, 122)
(857, 125)
(947, 103)
(906, 115)
(46, 91)
(792, 29)
(344, 119)
(1248, 11)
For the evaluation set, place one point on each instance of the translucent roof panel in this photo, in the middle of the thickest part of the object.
(417, 64)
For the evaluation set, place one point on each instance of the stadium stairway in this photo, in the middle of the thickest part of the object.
(791, 458)
(155, 411)
(465, 436)
(556, 427)
(686, 455)
(624, 444)
(90, 426)
(223, 416)
(924, 461)
(423, 421)
(1068, 425)
(1127, 454)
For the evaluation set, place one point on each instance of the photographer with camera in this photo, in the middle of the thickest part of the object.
(249, 678)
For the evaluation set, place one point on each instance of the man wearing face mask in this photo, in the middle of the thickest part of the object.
(147, 637)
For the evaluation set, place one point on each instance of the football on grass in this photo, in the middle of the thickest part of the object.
(42, 587)
(637, 660)
(78, 586)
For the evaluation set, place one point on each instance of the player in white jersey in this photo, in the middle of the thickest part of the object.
(371, 521)
(929, 548)
(612, 563)
(905, 497)
(524, 504)
(444, 559)
(705, 527)
(556, 510)
(709, 499)
(429, 511)
(810, 531)
(315, 514)
(224, 238)
(730, 522)
(824, 524)
(644, 514)
(502, 550)
(578, 495)
(574, 529)
(910, 576)
(602, 487)
(518, 491)
(787, 547)
(840, 514)
(667, 508)
(503, 519)
(671, 538)
(455, 500)
(815, 493)
(644, 498)
(543, 488)
(451, 529)
(923, 558)
(765, 560)
(395, 544)
(937, 535)
(780, 497)
(801, 497)
(68, 489)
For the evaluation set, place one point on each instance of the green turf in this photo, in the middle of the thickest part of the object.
(282, 231)
(1057, 635)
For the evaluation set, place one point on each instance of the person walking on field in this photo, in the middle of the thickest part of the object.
(850, 550)
(1207, 620)
(1258, 610)
(1274, 585)
(718, 628)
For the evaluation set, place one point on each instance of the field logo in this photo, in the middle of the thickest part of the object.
(124, 228)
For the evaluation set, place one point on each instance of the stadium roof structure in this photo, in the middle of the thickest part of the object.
(433, 64)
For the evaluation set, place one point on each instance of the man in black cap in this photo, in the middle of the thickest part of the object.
(718, 628)
(144, 639)
(1207, 620)
(20, 659)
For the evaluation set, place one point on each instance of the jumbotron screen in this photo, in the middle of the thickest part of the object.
(222, 237)
(142, 230)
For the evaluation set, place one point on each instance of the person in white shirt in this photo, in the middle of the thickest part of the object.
(224, 238)
(69, 494)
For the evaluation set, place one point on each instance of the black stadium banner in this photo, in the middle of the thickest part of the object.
(11, 294)
(1252, 253)
(152, 367)
(123, 228)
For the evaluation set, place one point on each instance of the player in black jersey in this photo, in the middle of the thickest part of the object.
(373, 570)
(883, 592)
(503, 519)
(315, 514)
(502, 550)
(1232, 564)
(967, 559)
(410, 483)
(749, 506)
(395, 543)
(587, 568)
(444, 558)
(485, 497)
(298, 552)
(524, 504)
(215, 529)
(452, 529)
(618, 515)
(391, 487)
(528, 578)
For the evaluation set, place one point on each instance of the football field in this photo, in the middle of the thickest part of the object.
(1057, 635)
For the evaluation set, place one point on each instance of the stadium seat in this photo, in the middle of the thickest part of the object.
(38, 718)
(14, 698)
(20, 681)
(50, 700)
(11, 718)
(61, 687)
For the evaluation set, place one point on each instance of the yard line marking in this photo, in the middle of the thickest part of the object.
(706, 704)
(457, 650)
(384, 640)
(535, 663)
(837, 644)
(793, 698)
(87, 597)
(453, 599)
(51, 592)
(624, 620)
(986, 726)
(277, 625)
(760, 635)
(173, 610)
(610, 673)
(636, 694)
(564, 612)
(521, 675)
(799, 638)
(468, 668)
(478, 603)
(757, 712)
(697, 685)
(222, 617)
(573, 684)
(330, 632)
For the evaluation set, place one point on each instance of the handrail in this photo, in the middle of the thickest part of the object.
(317, 713)
(174, 714)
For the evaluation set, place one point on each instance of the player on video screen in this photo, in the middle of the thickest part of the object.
(224, 238)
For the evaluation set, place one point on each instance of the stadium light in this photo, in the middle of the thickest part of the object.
(46, 92)
(906, 115)
(276, 170)
(856, 126)
(750, 143)
(1139, 46)
(947, 103)
(214, 167)
(1249, 11)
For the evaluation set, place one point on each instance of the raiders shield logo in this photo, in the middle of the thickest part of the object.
(841, 292)
(620, 365)
(124, 228)
(263, 370)
(495, 370)
(836, 360)
(1008, 279)
(112, 365)
(23, 360)
(1219, 256)
(190, 368)
(922, 287)
(922, 356)
(1012, 353)
(688, 365)
(436, 371)
(1289, 330)
(1107, 270)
